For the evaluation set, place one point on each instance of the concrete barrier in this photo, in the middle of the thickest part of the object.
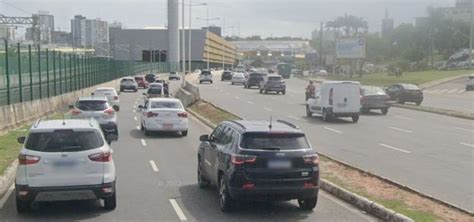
(188, 94)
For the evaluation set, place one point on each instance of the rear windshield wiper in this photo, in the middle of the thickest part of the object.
(271, 148)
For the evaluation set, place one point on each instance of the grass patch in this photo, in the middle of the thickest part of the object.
(401, 207)
(211, 112)
(382, 79)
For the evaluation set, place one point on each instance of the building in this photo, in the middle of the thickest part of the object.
(89, 33)
(139, 44)
(215, 29)
(387, 25)
(7, 32)
(60, 38)
(77, 29)
(460, 12)
(43, 31)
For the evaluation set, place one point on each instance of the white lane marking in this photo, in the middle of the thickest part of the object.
(400, 129)
(178, 210)
(6, 196)
(460, 91)
(468, 130)
(333, 130)
(394, 148)
(403, 117)
(443, 91)
(135, 118)
(143, 142)
(250, 102)
(453, 90)
(134, 111)
(466, 144)
(268, 109)
(294, 117)
(237, 97)
(207, 162)
(153, 166)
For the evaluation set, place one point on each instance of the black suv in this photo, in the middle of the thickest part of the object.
(259, 160)
(273, 83)
(226, 75)
(254, 79)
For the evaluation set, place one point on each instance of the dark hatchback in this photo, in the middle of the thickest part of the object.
(273, 83)
(226, 75)
(405, 93)
(259, 160)
(374, 97)
(254, 80)
(150, 77)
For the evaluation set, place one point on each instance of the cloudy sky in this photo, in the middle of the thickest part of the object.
(255, 17)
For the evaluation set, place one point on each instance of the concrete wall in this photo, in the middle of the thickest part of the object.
(189, 94)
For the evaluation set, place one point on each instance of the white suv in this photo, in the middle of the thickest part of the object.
(65, 160)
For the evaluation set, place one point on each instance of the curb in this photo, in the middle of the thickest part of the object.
(352, 198)
(7, 179)
(441, 81)
(446, 112)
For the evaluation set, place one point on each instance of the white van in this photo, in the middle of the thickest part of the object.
(470, 82)
(336, 99)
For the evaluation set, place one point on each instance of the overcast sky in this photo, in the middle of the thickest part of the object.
(256, 17)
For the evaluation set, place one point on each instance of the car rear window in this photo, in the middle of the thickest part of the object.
(104, 92)
(275, 78)
(274, 141)
(165, 105)
(64, 141)
(205, 73)
(138, 78)
(155, 90)
(411, 87)
(127, 80)
(92, 105)
(372, 91)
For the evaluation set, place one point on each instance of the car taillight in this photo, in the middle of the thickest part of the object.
(109, 111)
(248, 186)
(183, 115)
(331, 95)
(27, 159)
(101, 157)
(238, 159)
(115, 97)
(76, 112)
(151, 114)
(312, 159)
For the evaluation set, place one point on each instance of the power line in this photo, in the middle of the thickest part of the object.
(17, 8)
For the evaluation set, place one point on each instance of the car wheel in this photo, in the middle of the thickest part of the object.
(22, 206)
(355, 118)
(308, 111)
(116, 108)
(283, 92)
(200, 82)
(184, 133)
(110, 203)
(308, 204)
(261, 91)
(418, 103)
(147, 132)
(225, 200)
(364, 110)
(202, 181)
(265, 91)
(142, 128)
(399, 100)
(211, 82)
(385, 111)
(121, 90)
(232, 83)
(326, 117)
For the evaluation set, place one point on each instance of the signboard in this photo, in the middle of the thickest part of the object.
(350, 48)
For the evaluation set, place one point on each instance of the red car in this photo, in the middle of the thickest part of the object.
(141, 82)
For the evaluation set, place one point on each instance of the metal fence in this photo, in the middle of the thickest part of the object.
(30, 72)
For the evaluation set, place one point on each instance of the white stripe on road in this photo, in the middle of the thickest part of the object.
(6, 196)
(333, 130)
(207, 162)
(400, 129)
(134, 111)
(453, 90)
(153, 166)
(346, 206)
(135, 118)
(250, 102)
(466, 144)
(268, 109)
(394, 148)
(468, 130)
(443, 91)
(178, 210)
(143, 142)
(461, 91)
(294, 117)
(403, 117)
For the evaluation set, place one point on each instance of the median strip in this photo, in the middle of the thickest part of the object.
(446, 112)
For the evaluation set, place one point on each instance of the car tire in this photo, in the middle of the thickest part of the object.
(232, 83)
(355, 118)
(261, 91)
(399, 100)
(116, 108)
(147, 132)
(22, 206)
(200, 82)
(184, 133)
(211, 82)
(283, 92)
(308, 112)
(142, 128)
(121, 90)
(110, 203)
(265, 91)
(308, 204)
(418, 103)
(326, 117)
(384, 111)
(202, 181)
(225, 200)
(364, 110)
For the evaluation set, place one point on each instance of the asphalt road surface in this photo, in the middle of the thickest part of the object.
(156, 181)
(430, 153)
(451, 95)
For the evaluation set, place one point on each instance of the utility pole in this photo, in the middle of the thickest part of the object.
(207, 30)
(223, 46)
(470, 35)
(321, 45)
(183, 41)
(189, 42)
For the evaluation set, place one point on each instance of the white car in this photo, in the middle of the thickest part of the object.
(336, 99)
(238, 78)
(111, 95)
(65, 160)
(174, 76)
(205, 76)
(128, 83)
(470, 82)
(322, 72)
(164, 115)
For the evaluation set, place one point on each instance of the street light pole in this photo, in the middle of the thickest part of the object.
(183, 41)
(470, 35)
(190, 31)
(207, 30)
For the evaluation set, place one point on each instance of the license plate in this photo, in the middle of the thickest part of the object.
(279, 164)
(64, 163)
(340, 105)
(167, 126)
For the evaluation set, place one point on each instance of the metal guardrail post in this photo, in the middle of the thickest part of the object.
(31, 72)
(20, 85)
(54, 73)
(47, 73)
(75, 71)
(60, 76)
(84, 72)
(70, 73)
(7, 72)
(39, 72)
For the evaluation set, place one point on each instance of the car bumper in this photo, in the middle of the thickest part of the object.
(273, 193)
(342, 114)
(375, 106)
(160, 127)
(128, 87)
(86, 192)
(274, 88)
(109, 128)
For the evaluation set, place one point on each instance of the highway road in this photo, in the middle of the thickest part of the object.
(451, 95)
(156, 181)
(430, 153)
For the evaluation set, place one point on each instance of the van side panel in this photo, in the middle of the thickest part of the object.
(346, 97)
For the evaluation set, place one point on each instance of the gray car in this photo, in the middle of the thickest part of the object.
(374, 97)
(99, 108)
(128, 83)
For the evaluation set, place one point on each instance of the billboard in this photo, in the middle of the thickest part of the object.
(350, 48)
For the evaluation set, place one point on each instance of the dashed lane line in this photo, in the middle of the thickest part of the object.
(394, 148)
(400, 129)
(153, 166)
(143, 142)
(178, 210)
(333, 130)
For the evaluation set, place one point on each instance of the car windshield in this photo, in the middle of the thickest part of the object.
(274, 78)
(165, 105)
(64, 141)
(372, 91)
(278, 141)
(92, 105)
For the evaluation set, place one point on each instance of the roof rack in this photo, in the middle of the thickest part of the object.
(237, 123)
(288, 123)
(91, 124)
(37, 123)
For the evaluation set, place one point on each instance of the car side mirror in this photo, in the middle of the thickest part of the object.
(111, 137)
(204, 138)
(116, 108)
(144, 94)
(92, 94)
(141, 107)
(21, 139)
(71, 106)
